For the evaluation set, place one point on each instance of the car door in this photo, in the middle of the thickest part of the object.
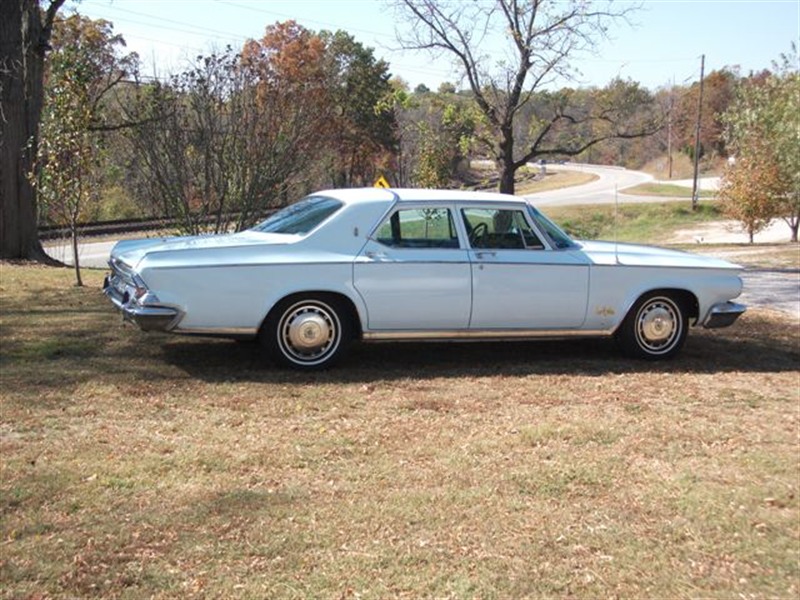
(413, 273)
(518, 281)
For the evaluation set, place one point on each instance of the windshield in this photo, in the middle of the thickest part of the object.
(558, 238)
(301, 217)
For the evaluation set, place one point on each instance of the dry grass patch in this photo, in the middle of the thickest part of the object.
(554, 179)
(753, 256)
(136, 465)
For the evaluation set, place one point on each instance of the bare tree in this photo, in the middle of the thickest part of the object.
(24, 40)
(539, 37)
(223, 142)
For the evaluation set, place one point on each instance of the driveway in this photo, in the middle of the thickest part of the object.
(775, 289)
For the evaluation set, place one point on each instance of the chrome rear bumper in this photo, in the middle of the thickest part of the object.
(723, 315)
(147, 318)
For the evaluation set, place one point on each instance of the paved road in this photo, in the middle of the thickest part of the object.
(604, 190)
(91, 254)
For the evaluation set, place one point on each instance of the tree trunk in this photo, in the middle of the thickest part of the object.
(506, 184)
(25, 41)
(74, 236)
(505, 162)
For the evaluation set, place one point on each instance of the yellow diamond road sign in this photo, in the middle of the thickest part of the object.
(381, 182)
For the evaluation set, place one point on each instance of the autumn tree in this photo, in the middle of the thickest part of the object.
(763, 133)
(25, 30)
(718, 92)
(749, 187)
(540, 37)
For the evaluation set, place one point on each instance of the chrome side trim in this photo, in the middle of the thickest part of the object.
(723, 314)
(481, 334)
(674, 267)
(260, 264)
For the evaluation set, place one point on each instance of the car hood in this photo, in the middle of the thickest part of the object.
(612, 253)
(130, 252)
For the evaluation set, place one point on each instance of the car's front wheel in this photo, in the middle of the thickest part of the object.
(307, 332)
(655, 327)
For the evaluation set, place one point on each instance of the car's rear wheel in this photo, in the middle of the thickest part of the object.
(307, 332)
(655, 328)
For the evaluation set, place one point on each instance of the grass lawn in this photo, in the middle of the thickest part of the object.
(652, 223)
(135, 465)
(669, 190)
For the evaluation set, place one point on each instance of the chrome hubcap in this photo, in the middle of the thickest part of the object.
(658, 325)
(308, 332)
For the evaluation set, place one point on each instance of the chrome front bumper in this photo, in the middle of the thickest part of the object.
(723, 315)
(147, 318)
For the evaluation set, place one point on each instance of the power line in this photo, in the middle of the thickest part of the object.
(184, 27)
(285, 16)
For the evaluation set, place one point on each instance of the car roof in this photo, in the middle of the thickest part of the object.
(366, 195)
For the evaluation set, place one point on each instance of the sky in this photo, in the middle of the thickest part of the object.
(663, 46)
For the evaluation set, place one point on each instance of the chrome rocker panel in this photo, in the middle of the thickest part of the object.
(479, 334)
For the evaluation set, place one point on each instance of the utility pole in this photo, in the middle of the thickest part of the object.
(670, 113)
(697, 134)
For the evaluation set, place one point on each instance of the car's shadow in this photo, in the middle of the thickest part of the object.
(705, 352)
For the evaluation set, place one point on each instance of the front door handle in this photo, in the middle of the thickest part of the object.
(485, 254)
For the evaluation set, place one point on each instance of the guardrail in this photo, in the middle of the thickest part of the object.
(51, 232)
(98, 228)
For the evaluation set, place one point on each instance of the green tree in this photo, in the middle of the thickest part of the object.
(82, 68)
(436, 132)
(763, 133)
(362, 141)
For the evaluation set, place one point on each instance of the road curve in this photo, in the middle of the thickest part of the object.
(603, 190)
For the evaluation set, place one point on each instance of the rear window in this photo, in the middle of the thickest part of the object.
(300, 218)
